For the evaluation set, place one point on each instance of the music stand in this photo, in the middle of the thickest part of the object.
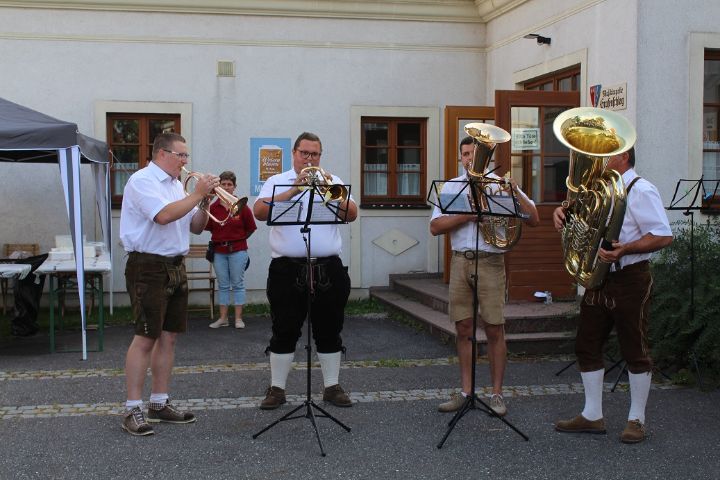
(685, 200)
(304, 214)
(480, 202)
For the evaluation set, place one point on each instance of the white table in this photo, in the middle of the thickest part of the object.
(59, 272)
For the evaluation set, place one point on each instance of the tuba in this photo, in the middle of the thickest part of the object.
(317, 178)
(231, 202)
(595, 202)
(500, 232)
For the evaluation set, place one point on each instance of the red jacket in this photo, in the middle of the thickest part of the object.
(232, 236)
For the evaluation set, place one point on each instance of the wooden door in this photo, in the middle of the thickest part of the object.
(540, 165)
(456, 117)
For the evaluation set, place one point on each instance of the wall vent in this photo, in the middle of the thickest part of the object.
(225, 68)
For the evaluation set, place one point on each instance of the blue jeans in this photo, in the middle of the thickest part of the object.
(230, 272)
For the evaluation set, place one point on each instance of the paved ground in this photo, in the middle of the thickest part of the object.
(59, 416)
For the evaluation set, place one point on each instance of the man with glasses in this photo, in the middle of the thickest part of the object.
(287, 288)
(155, 222)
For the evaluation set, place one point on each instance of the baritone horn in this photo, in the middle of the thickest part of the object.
(317, 178)
(596, 196)
(500, 232)
(231, 202)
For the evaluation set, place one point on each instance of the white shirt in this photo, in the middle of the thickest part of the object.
(147, 192)
(287, 240)
(463, 237)
(644, 213)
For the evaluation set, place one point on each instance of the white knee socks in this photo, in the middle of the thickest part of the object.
(330, 366)
(280, 365)
(639, 391)
(593, 384)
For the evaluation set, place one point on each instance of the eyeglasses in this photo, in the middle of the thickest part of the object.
(184, 156)
(308, 155)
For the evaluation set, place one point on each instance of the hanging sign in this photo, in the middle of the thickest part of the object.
(525, 138)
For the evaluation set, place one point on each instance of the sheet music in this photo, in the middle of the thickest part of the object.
(324, 213)
(501, 204)
(455, 202)
(286, 211)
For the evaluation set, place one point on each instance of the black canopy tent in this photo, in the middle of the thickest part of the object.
(33, 137)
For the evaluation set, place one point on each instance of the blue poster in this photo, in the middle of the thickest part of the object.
(268, 156)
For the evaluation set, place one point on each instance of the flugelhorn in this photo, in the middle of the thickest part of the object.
(500, 232)
(317, 178)
(231, 202)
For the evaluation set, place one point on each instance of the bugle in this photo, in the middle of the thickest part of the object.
(231, 202)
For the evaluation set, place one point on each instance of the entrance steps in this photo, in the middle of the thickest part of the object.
(530, 328)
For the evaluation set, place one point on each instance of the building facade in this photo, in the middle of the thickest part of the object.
(386, 85)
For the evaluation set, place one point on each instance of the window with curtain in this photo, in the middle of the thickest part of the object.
(130, 137)
(711, 115)
(394, 156)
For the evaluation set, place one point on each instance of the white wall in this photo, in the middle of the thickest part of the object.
(670, 71)
(293, 74)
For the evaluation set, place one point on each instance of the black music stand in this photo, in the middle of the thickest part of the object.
(685, 200)
(304, 214)
(472, 200)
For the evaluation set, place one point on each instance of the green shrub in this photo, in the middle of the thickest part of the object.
(683, 339)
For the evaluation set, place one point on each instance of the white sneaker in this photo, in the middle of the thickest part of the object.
(239, 323)
(219, 323)
(498, 405)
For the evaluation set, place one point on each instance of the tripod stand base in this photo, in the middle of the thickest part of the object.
(471, 403)
(309, 405)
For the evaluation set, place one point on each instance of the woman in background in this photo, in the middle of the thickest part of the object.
(231, 255)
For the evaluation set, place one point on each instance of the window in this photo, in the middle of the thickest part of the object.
(711, 115)
(394, 153)
(130, 137)
(567, 80)
(545, 165)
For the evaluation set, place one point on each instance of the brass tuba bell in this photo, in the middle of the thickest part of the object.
(317, 178)
(500, 232)
(595, 202)
(231, 202)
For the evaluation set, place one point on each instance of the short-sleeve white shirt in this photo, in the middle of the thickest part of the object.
(644, 213)
(147, 192)
(463, 237)
(287, 240)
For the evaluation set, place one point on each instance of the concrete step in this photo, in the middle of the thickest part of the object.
(438, 323)
(524, 317)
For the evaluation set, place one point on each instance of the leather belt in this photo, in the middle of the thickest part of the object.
(152, 257)
(472, 255)
(313, 260)
(633, 266)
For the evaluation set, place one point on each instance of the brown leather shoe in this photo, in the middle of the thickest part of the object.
(135, 424)
(337, 396)
(634, 432)
(581, 424)
(167, 412)
(274, 397)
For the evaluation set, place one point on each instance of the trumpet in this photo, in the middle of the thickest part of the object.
(317, 178)
(231, 202)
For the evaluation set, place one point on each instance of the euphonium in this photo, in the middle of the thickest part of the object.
(317, 178)
(500, 232)
(231, 202)
(595, 203)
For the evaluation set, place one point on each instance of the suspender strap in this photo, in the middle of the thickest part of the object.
(627, 190)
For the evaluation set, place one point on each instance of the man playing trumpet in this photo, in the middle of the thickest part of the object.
(287, 287)
(155, 222)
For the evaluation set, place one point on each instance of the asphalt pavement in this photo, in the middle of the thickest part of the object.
(60, 415)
